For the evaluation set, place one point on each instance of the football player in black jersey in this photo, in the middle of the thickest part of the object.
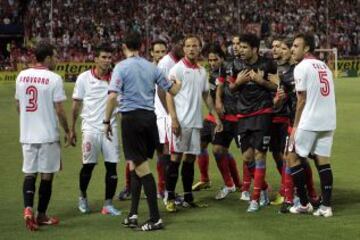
(285, 99)
(221, 140)
(253, 91)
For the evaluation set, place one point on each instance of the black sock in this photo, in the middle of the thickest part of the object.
(326, 180)
(110, 180)
(85, 176)
(29, 191)
(172, 174)
(164, 159)
(149, 184)
(299, 178)
(135, 188)
(187, 175)
(45, 190)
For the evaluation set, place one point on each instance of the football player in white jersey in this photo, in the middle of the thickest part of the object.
(314, 124)
(158, 51)
(91, 91)
(39, 96)
(186, 120)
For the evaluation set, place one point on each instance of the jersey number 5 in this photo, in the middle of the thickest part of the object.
(325, 88)
(33, 97)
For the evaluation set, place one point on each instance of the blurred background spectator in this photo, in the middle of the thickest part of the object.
(79, 25)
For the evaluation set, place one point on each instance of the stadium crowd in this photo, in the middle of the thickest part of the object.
(78, 26)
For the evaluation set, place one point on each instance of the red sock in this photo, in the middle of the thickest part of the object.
(160, 167)
(282, 183)
(259, 179)
(289, 186)
(248, 173)
(203, 162)
(310, 182)
(127, 175)
(223, 165)
(234, 170)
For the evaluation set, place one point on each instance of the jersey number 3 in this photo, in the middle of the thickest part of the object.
(33, 97)
(325, 88)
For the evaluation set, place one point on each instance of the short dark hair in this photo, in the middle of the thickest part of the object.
(43, 50)
(309, 40)
(277, 38)
(192, 36)
(158, 41)
(251, 39)
(103, 48)
(288, 42)
(133, 41)
(216, 49)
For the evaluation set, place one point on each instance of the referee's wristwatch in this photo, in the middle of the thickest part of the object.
(106, 122)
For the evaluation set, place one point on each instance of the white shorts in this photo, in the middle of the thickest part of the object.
(188, 142)
(162, 124)
(94, 143)
(318, 143)
(41, 157)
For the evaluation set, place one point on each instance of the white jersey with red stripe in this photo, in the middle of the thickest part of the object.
(188, 101)
(315, 78)
(165, 64)
(93, 92)
(37, 89)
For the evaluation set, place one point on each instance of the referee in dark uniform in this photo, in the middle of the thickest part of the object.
(134, 79)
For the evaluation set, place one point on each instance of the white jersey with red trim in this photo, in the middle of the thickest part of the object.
(93, 92)
(315, 78)
(165, 64)
(188, 101)
(37, 89)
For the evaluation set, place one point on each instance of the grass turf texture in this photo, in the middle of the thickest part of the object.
(226, 219)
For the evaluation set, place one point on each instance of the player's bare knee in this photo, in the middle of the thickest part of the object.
(248, 155)
(47, 176)
(259, 155)
(217, 149)
(30, 176)
(321, 160)
(293, 159)
(142, 169)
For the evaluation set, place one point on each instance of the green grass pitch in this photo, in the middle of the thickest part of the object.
(226, 219)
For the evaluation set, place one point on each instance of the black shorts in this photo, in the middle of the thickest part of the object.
(278, 134)
(254, 132)
(223, 138)
(140, 135)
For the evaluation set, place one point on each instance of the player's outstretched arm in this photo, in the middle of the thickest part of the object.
(76, 105)
(110, 106)
(175, 88)
(210, 106)
(175, 125)
(219, 106)
(59, 108)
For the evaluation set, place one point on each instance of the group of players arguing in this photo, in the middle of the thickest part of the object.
(285, 102)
